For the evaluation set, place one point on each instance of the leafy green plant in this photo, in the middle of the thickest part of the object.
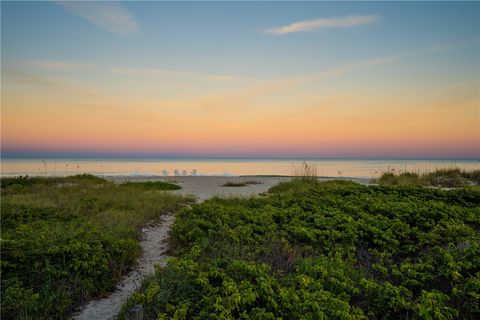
(67, 240)
(311, 250)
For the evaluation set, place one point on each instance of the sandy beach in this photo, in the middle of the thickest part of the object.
(205, 187)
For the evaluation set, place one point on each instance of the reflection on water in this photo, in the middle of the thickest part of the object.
(325, 167)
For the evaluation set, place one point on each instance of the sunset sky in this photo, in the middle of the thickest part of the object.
(228, 79)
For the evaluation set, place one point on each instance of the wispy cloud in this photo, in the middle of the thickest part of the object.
(244, 97)
(14, 75)
(20, 76)
(323, 23)
(109, 15)
(148, 73)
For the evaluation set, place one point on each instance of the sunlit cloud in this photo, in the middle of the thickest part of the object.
(109, 15)
(323, 23)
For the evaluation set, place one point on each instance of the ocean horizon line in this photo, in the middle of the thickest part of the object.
(223, 158)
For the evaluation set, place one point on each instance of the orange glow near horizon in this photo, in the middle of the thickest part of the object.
(349, 125)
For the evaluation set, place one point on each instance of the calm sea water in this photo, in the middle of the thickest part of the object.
(325, 167)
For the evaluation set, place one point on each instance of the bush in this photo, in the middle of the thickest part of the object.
(67, 240)
(311, 250)
(152, 185)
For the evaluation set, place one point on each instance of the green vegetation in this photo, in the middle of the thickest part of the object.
(332, 250)
(152, 185)
(450, 178)
(67, 240)
(240, 183)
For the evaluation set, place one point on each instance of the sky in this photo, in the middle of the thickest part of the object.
(241, 79)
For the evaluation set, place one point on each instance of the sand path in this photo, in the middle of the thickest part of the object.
(154, 244)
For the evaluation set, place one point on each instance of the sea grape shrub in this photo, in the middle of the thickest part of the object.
(333, 250)
(67, 240)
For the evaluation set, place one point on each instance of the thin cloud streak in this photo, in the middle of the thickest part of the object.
(148, 73)
(18, 76)
(108, 15)
(323, 23)
(241, 99)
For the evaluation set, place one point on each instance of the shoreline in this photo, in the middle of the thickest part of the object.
(325, 168)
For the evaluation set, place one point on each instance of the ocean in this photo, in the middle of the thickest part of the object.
(361, 168)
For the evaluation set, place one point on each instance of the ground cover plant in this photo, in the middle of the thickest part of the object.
(152, 185)
(449, 178)
(67, 240)
(332, 250)
(240, 183)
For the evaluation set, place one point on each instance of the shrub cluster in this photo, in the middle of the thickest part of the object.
(243, 183)
(332, 250)
(67, 240)
(152, 185)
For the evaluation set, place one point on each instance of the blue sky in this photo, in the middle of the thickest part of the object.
(228, 36)
(419, 50)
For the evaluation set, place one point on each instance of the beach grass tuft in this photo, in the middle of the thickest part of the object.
(447, 178)
(306, 171)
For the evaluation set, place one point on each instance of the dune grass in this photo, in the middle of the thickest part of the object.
(67, 240)
(449, 178)
(306, 171)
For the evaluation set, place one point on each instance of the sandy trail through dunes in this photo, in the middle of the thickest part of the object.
(154, 244)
